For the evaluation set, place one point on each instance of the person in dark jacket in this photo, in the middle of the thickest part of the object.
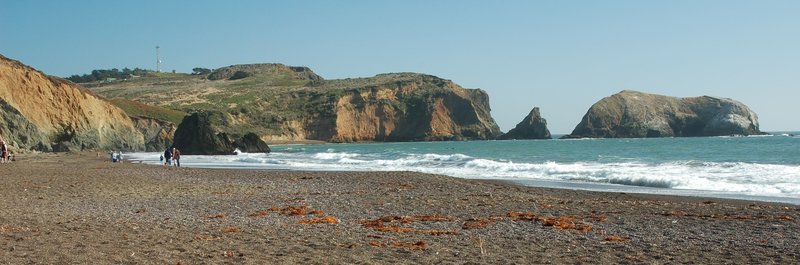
(168, 156)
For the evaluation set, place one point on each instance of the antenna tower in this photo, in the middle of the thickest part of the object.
(158, 60)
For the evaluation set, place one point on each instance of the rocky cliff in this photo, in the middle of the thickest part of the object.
(412, 107)
(532, 126)
(281, 103)
(157, 133)
(45, 113)
(632, 114)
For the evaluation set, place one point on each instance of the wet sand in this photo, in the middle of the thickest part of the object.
(81, 209)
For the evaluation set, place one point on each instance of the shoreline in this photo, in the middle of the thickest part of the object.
(562, 184)
(138, 213)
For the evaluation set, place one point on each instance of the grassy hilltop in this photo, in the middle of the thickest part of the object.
(293, 103)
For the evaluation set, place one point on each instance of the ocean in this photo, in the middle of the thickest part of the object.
(765, 168)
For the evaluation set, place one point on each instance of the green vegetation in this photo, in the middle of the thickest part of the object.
(270, 99)
(136, 109)
(102, 75)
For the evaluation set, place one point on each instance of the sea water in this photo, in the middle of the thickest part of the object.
(756, 167)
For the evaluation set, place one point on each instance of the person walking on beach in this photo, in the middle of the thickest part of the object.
(168, 156)
(176, 155)
(4, 151)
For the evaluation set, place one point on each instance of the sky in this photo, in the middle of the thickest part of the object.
(562, 56)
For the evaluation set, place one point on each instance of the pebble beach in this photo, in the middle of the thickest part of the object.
(82, 209)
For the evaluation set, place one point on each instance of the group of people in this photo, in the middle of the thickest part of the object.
(171, 156)
(116, 156)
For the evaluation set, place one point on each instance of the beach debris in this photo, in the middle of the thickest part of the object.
(380, 224)
(140, 210)
(524, 216)
(320, 220)
(617, 238)
(217, 216)
(317, 213)
(480, 244)
(567, 222)
(232, 230)
(259, 214)
(479, 223)
(291, 210)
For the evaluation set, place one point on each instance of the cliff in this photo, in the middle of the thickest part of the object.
(632, 114)
(532, 126)
(158, 134)
(281, 103)
(45, 113)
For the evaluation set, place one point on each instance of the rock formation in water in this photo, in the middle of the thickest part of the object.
(207, 133)
(40, 112)
(532, 126)
(632, 114)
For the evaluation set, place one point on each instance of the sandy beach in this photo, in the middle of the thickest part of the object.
(82, 209)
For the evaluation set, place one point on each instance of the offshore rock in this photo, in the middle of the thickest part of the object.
(632, 114)
(202, 133)
(532, 126)
(251, 143)
(40, 112)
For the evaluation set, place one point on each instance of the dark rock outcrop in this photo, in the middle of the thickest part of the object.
(532, 127)
(251, 143)
(632, 114)
(157, 133)
(204, 133)
(40, 112)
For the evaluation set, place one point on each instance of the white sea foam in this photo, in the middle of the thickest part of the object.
(739, 177)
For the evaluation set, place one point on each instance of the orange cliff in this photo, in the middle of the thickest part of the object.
(45, 113)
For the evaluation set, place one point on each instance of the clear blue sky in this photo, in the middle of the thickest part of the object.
(559, 55)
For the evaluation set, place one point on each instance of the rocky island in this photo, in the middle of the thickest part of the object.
(633, 114)
(532, 126)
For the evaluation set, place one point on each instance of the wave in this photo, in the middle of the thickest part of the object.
(741, 177)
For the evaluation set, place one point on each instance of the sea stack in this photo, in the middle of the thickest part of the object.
(532, 126)
(633, 114)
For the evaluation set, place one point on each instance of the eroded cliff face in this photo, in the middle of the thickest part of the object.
(51, 114)
(424, 108)
(632, 114)
(157, 133)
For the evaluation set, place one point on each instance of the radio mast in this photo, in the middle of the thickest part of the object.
(158, 60)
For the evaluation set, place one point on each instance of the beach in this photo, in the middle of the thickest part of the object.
(82, 209)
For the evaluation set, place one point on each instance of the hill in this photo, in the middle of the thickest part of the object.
(285, 103)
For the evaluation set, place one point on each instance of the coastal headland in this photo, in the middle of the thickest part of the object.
(75, 208)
